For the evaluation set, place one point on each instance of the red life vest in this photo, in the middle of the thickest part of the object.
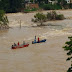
(18, 43)
(38, 39)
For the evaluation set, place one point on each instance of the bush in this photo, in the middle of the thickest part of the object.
(3, 18)
(48, 16)
(34, 9)
(40, 17)
(34, 20)
(52, 15)
(29, 10)
(56, 7)
(50, 6)
(60, 17)
(47, 6)
(70, 5)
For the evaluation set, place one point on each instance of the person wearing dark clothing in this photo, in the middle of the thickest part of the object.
(23, 42)
(35, 39)
(14, 44)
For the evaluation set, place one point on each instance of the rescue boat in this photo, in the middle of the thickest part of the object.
(38, 41)
(20, 46)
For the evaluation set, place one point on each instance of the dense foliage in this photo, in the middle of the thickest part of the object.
(3, 18)
(11, 5)
(54, 16)
(68, 48)
(61, 4)
(50, 6)
(40, 17)
(27, 10)
(42, 1)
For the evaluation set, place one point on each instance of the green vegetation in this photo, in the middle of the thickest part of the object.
(68, 48)
(42, 1)
(30, 10)
(40, 17)
(51, 15)
(3, 20)
(50, 6)
(61, 4)
(60, 17)
(70, 5)
(11, 6)
(54, 16)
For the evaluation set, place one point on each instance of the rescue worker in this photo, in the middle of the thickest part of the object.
(23, 42)
(14, 44)
(38, 39)
(35, 39)
(18, 43)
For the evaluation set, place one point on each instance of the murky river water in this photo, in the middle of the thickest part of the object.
(43, 57)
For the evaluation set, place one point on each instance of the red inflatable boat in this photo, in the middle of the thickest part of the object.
(20, 46)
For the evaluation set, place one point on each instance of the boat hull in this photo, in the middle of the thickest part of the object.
(39, 41)
(15, 47)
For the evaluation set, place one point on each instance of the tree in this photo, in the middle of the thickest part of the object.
(41, 1)
(40, 17)
(54, 16)
(61, 3)
(3, 18)
(4, 5)
(68, 48)
(11, 5)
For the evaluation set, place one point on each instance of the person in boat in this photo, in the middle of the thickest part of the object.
(14, 44)
(18, 43)
(38, 39)
(35, 39)
(23, 42)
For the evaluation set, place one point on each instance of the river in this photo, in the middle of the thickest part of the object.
(43, 57)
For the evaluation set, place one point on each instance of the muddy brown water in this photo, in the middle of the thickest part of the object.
(43, 57)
